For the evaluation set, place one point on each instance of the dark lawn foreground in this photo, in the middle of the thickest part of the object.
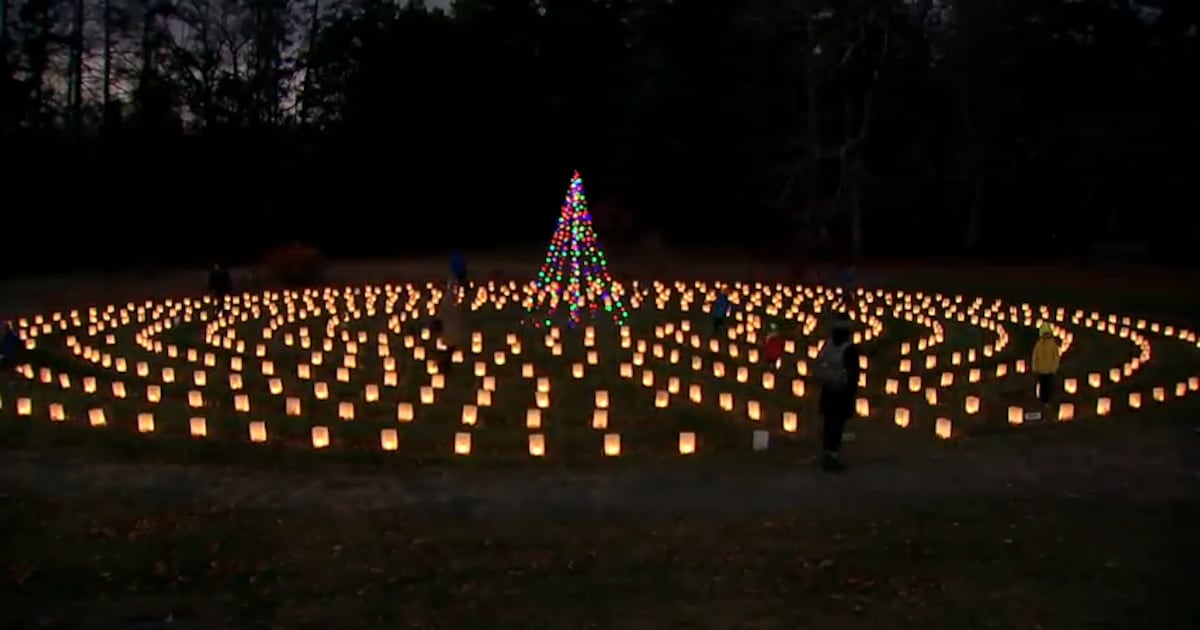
(1116, 551)
(1002, 563)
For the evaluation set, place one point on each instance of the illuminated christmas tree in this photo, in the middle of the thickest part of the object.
(575, 273)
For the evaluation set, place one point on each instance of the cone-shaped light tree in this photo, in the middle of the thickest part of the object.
(574, 276)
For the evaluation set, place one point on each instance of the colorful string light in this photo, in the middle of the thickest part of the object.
(575, 272)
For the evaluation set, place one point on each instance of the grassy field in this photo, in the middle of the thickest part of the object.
(987, 563)
(993, 530)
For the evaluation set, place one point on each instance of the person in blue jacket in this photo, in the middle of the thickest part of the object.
(847, 286)
(458, 267)
(720, 312)
(10, 344)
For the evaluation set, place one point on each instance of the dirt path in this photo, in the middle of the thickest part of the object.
(1159, 464)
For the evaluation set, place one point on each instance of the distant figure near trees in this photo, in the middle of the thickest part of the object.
(721, 310)
(847, 287)
(458, 267)
(10, 344)
(220, 283)
(450, 325)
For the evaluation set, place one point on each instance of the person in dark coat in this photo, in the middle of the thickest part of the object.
(10, 344)
(847, 286)
(720, 312)
(220, 283)
(458, 267)
(450, 325)
(837, 372)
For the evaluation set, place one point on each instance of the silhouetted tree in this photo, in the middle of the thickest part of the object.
(844, 128)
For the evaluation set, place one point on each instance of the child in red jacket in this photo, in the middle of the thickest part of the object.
(773, 346)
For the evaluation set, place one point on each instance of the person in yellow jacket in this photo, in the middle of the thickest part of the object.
(1045, 361)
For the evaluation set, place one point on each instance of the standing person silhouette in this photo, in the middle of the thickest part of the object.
(720, 312)
(220, 285)
(847, 286)
(451, 324)
(10, 344)
(458, 267)
(773, 346)
(837, 373)
(1046, 359)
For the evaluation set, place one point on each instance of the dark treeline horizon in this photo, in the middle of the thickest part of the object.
(142, 133)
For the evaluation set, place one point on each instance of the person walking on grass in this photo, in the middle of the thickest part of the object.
(220, 285)
(773, 346)
(10, 344)
(837, 373)
(450, 326)
(720, 312)
(847, 287)
(458, 267)
(1046, 359)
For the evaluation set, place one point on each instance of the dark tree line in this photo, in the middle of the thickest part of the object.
(156, 130)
